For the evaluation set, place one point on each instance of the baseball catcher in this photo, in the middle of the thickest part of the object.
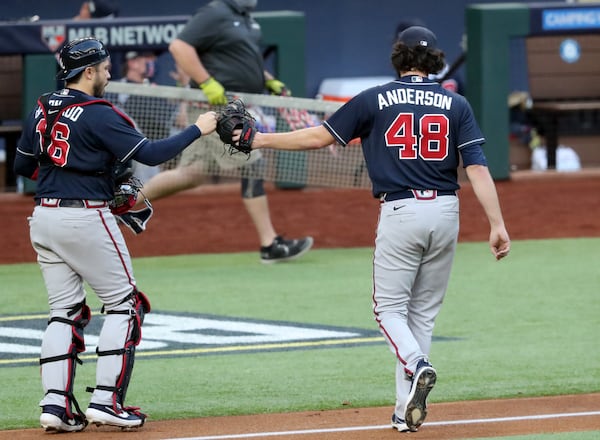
(234, 116)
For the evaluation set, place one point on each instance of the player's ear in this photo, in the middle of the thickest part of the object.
(89, 71)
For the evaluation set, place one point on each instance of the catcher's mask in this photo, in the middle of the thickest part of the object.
(79, 54)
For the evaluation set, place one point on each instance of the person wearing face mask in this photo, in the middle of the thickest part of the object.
(219, 49)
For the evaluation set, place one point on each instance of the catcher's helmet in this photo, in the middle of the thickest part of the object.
(79, 54)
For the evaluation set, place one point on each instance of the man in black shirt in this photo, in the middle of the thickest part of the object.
(219, 48)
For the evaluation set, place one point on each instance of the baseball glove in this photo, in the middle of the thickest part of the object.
(126, 194)
(234, 116)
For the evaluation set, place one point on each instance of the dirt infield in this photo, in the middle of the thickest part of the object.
(447, 421)
(212, 219)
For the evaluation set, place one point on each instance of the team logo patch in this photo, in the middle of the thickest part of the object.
(54, 36)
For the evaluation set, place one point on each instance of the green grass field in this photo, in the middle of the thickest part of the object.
(524, 326)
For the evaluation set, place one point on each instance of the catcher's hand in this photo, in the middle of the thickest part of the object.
(234, 116)
(126, 194)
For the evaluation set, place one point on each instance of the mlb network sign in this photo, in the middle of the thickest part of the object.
(125, 35)
(160, 34)
(174, 334)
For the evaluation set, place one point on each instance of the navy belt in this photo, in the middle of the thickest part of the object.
(419, 194)
(70, 203)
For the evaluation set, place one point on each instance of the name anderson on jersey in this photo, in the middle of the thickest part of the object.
(415, 97)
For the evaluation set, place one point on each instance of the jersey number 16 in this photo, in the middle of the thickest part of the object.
(59, 147)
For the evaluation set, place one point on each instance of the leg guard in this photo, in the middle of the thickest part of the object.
(121, 333)
(252, 180)
(63, 340)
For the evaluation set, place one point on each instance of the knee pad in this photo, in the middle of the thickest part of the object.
(123, 322)
(252, 179)
(252, 188)
(73, 321)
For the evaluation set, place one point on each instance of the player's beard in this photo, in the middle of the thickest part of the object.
(99, 87)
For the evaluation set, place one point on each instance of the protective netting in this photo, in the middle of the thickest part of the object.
(160, 111)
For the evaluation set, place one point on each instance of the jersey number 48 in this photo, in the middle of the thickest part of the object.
(430, 142)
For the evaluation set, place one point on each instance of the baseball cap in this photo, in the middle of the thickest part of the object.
(418, 36)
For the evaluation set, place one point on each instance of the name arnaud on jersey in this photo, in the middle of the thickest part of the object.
(415, 97)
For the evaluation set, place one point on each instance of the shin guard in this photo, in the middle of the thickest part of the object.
(64, 334)
(121, 333)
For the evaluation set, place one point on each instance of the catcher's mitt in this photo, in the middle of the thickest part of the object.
(234, 116)
(126, 194)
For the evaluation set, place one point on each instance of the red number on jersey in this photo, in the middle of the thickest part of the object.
(58, 150)
(400, 134)
(431, 142)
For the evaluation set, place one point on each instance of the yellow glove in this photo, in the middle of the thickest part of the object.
(214, 91)
(276, 87)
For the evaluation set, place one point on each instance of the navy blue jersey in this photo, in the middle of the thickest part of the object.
(412, 131)
(85, 140)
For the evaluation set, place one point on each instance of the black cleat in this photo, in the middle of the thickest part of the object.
(285, 250)
(416, 406)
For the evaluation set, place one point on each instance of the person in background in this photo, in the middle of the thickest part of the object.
(98, 9)
(151, 117)
(72, 141)
(145, 111)
(219, 49)
(150, 114)
(414, 134)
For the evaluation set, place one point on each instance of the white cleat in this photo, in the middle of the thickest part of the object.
(125, 418)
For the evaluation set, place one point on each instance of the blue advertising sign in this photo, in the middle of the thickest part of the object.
(566, 19)
(569, 19)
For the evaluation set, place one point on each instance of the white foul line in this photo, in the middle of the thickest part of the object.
(376, 427)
